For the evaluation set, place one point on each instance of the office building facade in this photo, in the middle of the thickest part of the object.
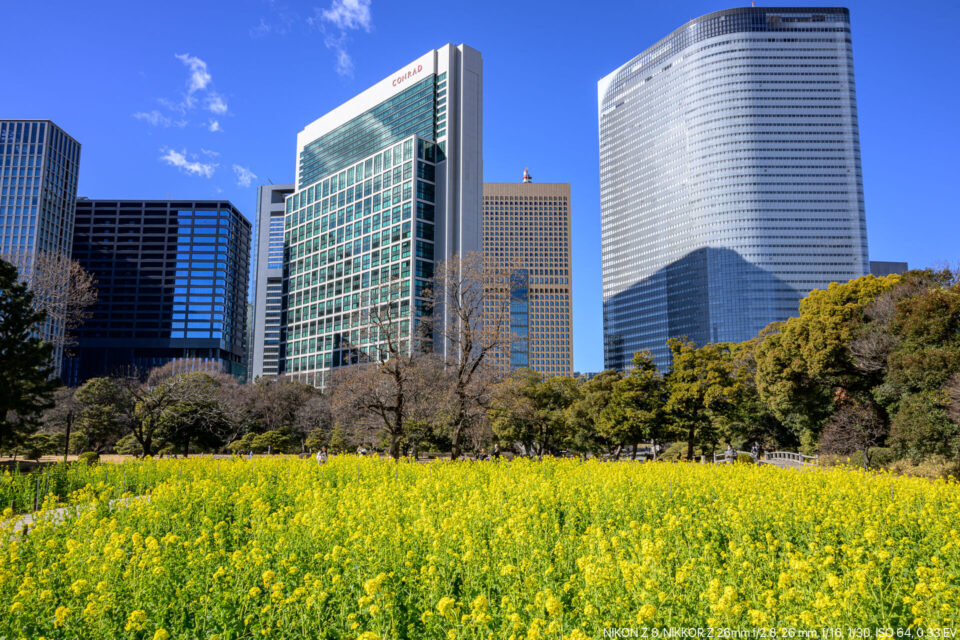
(526, 235)
(172, 280)
(882, 268)
(39, 166)
(388, 184)
(266, 352)
(730, 178)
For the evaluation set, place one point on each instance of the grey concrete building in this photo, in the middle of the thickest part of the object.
(266, 348)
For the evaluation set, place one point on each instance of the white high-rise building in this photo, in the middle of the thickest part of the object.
(388, 184)
(730, 177)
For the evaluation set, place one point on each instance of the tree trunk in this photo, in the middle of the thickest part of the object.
(395, 446)
(634, 457)
(66, 444)
(690, 433)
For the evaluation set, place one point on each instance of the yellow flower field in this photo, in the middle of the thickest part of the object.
(360, 548)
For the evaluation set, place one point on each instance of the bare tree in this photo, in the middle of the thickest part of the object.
(388, 391)
(857, 426)
(62, 415)
(472, 315)
(953, 390)
(63, 289)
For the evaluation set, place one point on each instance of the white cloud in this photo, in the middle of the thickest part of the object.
(199, 76)
(156, 119)
(244, 175)
(214, 126)
(348, 14)
(179, 160)
(208, 152)
(279, 22)
(343, 16)
(216, 103)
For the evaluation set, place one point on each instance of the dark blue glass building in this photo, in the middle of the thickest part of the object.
(39, 164)
(172, 279)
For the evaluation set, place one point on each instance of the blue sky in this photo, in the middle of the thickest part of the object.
(204, 99)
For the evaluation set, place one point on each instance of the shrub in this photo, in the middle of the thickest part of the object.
(745, 458)
(89, 457)
(931, 467)
(881, 457)
(674, 452)
(128, 446)
(273, 441)
(243, 444)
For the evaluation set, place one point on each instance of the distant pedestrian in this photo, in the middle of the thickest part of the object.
(730, 454)
(496, 451)
(483, 455)
(755, 451)
(322, 455)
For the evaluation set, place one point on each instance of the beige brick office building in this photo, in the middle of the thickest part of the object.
(526, 232)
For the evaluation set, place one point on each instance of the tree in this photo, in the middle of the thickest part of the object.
(272, 404)
(585, 413)
(25, 367)
(532, 412)
(804, 361)
(105, 411)
(922, 427)
(702, 387)
(471, 334)
(313, 423)
(636, 408)
(63, 289)
(61, 416)
(382, 398)
(953, 392)
(856, 427)
(195, 414)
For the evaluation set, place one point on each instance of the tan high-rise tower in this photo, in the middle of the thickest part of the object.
(526, 230)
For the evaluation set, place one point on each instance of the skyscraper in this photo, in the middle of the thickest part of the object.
(39, 163)
(730, 177)
(526, 231)
(265, 348)
(172, 279)
(388, 184)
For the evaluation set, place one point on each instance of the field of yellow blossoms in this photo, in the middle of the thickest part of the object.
(361, 548)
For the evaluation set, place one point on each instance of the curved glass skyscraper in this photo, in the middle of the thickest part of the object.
(730, 178)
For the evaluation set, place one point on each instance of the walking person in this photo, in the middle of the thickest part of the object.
(322, 455)
(730, 454)
(496, 451)
(755, 451)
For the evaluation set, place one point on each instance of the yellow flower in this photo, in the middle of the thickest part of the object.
(553, 606)
(60, 616)
(646, 613)
(161, 634)
(254, 592)
(445, 606)
(136, 620)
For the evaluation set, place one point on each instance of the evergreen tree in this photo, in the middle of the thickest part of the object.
(26, 387)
